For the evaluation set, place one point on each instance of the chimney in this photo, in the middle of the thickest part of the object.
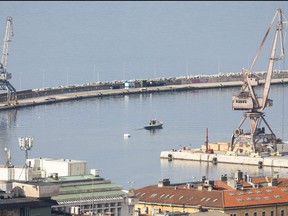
(200, 187)
(55, 176)
(164, 182)
(238, 175)
(224, 177)
(246, 178)
(274, 181)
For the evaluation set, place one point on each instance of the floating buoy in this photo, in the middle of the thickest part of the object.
(127, 135)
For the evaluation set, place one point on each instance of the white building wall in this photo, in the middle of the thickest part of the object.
(35, 163)
(15, 173)
(4, 174)
(43, 167)
(22, 174)
(6, 186)
(78, 168)
(32, 190)
(64, 167)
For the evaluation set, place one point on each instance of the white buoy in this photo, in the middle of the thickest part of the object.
(127, 135)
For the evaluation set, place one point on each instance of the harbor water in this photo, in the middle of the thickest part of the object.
(93, 130)
(65, 43)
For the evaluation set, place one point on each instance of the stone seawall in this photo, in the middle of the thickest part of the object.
(271, 161)
(182, 80)
(41, 96)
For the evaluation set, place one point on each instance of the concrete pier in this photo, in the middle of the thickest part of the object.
(62, 97)
(34, 97)
(222, 157)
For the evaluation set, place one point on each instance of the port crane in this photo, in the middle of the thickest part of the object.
(4, 75)
(258, 138)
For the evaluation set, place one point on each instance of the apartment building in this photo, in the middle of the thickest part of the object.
(66, 187)
(240, 195)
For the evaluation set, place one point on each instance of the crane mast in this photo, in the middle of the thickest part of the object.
(4, 59)
(256, 139)
(273, 57)
(4, 75)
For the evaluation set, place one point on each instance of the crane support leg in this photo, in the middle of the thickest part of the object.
(11, 91)
(255, 140)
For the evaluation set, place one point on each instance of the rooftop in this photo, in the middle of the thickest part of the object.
(219, 193)
(24, 202)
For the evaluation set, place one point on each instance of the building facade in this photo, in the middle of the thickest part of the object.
(18, 198)
(68, 187)
(91, 195)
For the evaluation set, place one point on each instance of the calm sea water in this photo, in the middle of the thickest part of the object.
(60, 43)
(93, 130)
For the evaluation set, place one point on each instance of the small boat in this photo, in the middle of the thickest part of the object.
(153, 124)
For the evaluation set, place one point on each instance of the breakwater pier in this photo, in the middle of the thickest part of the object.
(188, 154)
(33, 97)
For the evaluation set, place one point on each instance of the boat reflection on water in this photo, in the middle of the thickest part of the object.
(185, 171)
(154, 131)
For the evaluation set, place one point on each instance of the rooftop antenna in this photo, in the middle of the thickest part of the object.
(25, 144)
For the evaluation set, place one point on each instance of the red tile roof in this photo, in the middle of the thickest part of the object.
(256, 196)
(221, 196)
(177, 195)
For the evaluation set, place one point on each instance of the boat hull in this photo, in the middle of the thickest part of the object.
(151, 127)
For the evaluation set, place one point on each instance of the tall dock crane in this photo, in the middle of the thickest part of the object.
(4, 75)
(257, 139)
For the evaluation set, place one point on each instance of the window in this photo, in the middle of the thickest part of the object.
(246, 214)
(272, 213)
(241, 101)
(233, 214)
(146, 210)
(255, 214)
(282, 212)
(24, 211)
(263, 213)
